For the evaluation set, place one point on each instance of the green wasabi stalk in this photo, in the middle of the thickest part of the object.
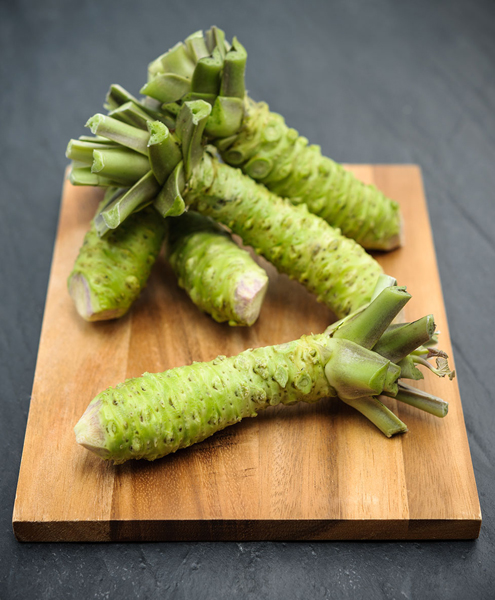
(220, 278)
(82, 175)
(422, 400)
(258, 141)
(110, 272)
(157, 414)
(140, 195)
(82, 151)
(124, 165)
(118, 98)
(127, 135)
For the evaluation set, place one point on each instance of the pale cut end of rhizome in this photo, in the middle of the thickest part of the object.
(89, 432)
(249, 295)
(86, 305)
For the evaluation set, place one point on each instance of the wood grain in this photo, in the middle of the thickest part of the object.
(305, 472)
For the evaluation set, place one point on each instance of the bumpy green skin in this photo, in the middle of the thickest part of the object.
(215, 272)
(110, 272)
(298, 243)
(157, 414)
(275, 155)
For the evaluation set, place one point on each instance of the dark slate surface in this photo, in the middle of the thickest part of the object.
(375, 81)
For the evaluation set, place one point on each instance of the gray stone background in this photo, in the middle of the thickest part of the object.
(377, 81)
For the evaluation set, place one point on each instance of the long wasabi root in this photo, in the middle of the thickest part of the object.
(336, 269)
(157, 414)
(270, 152)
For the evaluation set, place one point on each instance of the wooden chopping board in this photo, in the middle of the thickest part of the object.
(308, 472)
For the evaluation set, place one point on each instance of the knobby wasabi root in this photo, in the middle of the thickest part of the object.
(336, 269)
(157, 414)
(220, 277)
(110, 272)
(258, 141)
(270, 152)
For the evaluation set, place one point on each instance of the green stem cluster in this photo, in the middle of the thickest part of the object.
(138, 155)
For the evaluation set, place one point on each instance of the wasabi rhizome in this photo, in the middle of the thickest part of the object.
(356, 360)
